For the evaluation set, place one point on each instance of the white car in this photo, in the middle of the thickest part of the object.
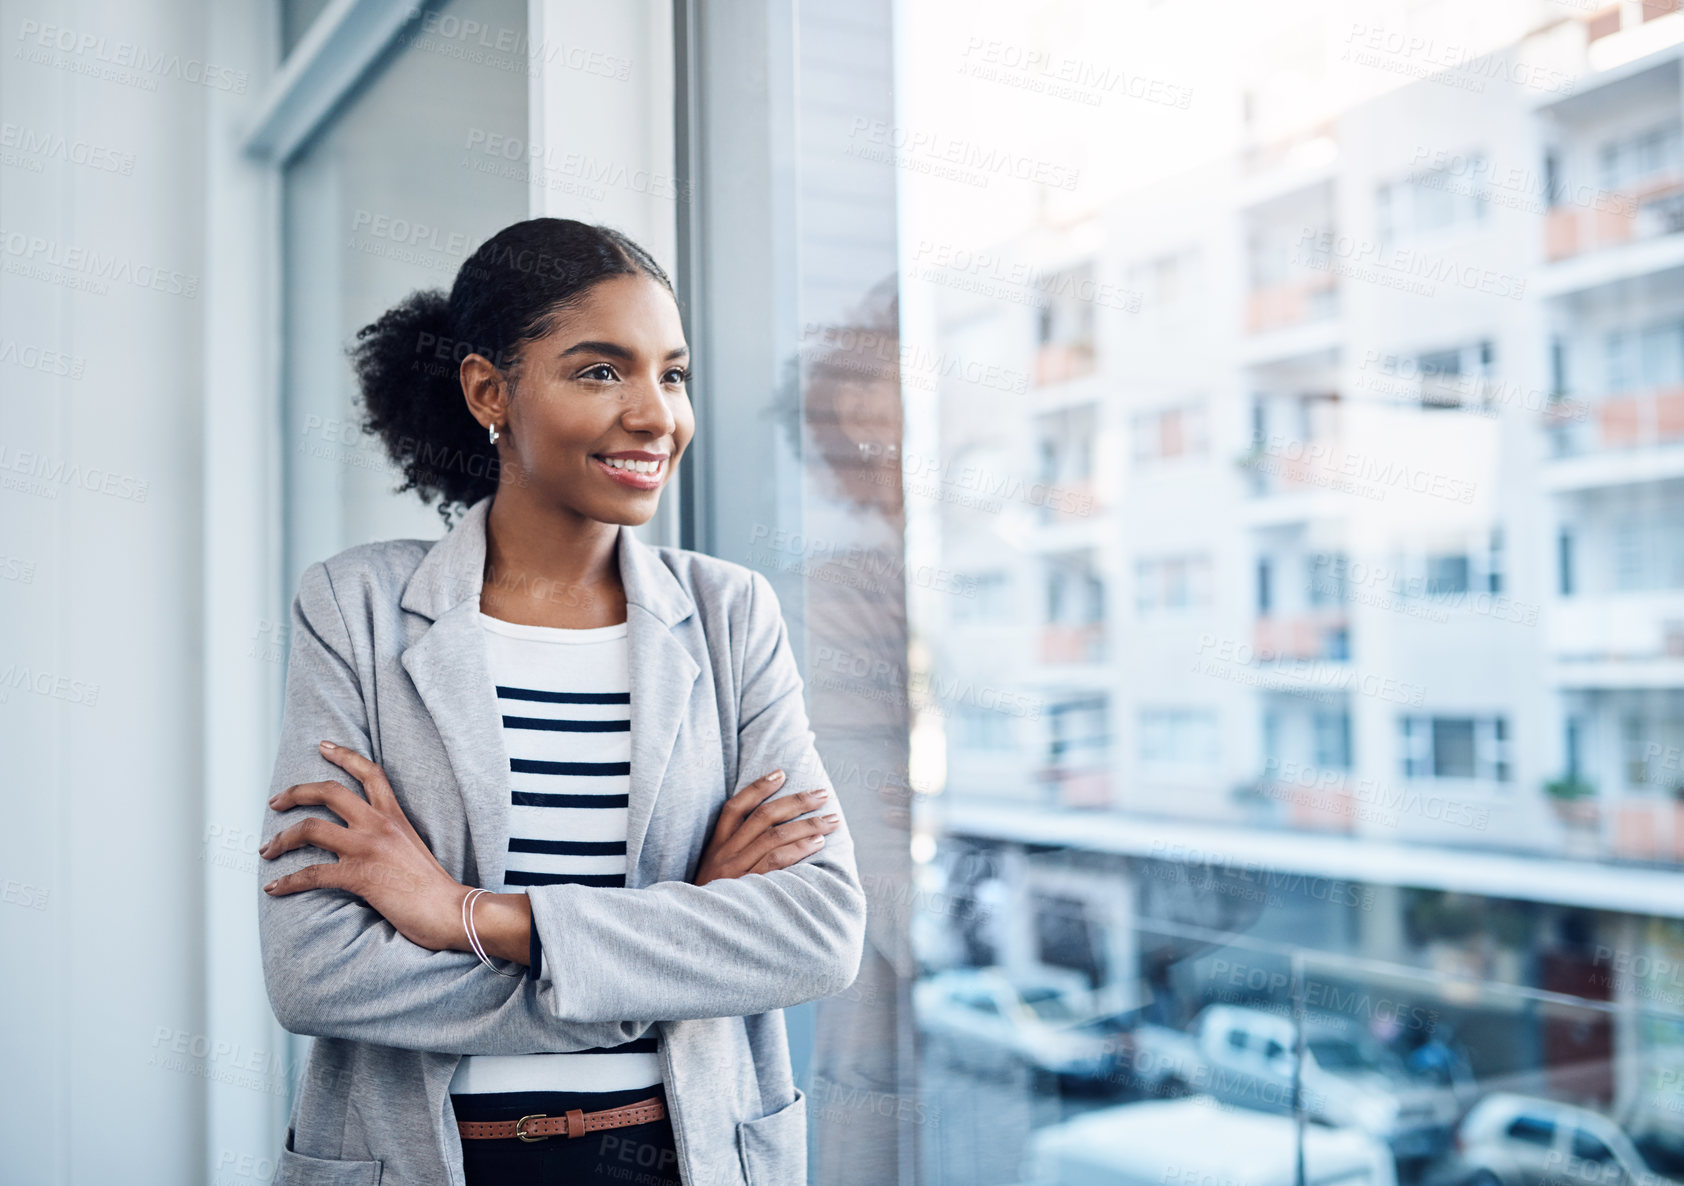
(1245, 1056)
(1516, 1140)
(1198, 1142)
(1046, 1021)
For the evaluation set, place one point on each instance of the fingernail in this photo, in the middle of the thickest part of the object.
(775, 776)
(329, 745)
(830, 819)
(274, 799)
(270, 888)
(815, 841)
(820, 795)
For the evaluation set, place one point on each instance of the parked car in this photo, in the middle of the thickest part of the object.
(1517, 1140)
(1199, 1142)
(1245, 1056)
(1047, 1020)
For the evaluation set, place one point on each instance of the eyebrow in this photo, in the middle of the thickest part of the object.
(617, 351)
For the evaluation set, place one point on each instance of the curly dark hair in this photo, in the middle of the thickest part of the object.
(505, 295)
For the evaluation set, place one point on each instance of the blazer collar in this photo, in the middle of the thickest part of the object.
(448, 666)
(454, 569)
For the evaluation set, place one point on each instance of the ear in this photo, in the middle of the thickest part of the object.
(485, 389)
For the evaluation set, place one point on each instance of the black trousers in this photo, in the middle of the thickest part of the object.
(636, 1155)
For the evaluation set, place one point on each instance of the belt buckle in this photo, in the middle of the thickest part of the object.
(520, 1127)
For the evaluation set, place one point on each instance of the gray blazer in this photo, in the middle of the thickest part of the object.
(387, 657)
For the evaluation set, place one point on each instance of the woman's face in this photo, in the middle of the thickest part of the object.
(600, 414)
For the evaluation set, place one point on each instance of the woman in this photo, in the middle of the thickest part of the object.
(575, 752)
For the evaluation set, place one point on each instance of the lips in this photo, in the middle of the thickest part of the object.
(634, 468)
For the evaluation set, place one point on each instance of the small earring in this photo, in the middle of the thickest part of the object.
(493, 432)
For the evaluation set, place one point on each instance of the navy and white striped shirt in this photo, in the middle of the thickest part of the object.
(565, 697)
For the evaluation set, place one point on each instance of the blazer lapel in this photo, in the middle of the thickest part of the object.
(663, 674)
(447, 664)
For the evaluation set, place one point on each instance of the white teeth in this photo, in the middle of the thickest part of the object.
(636, 467)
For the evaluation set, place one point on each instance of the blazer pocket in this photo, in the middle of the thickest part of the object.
(295, 1169)
(773, 1148)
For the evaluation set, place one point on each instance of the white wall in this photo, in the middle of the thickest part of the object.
(101, 585)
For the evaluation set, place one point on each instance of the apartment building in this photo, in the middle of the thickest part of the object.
(1353, 538)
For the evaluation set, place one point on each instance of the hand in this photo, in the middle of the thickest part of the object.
(381, 858)
(753, 834)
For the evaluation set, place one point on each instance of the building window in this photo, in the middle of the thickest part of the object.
(1179, 739)
(1172, 584)
(990, 600)
(1328, 579)
(1333, 739)
(1079, 733)
(978, 728)
(1427, 201)
(1636, 161)
(1471, 748)
(1168, 433)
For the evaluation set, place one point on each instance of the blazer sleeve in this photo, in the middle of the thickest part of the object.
(733, 947)
(334, 967)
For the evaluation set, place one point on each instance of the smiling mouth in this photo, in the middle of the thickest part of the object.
(639, 471)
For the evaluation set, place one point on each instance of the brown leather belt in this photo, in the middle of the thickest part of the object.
(574, 1123)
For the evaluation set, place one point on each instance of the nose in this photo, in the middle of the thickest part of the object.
(647, 411)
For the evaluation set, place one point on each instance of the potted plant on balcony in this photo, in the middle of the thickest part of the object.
(1576, 806)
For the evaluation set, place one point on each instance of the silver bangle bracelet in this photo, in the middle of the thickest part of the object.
(468, 901)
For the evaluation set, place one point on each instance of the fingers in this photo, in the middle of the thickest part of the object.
(794, 840)
(786, 855)
(308, 878)
(738, 806)
(335, 796)
(368, 773)
(324, 834)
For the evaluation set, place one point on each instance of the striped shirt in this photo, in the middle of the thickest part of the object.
(565, 697)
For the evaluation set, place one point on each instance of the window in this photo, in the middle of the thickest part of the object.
(1631, 161)
(1333, 739)
(990, 600)
(981, 728)
(1590, 1147)
(1172, 584)
(1533, 1130)
(1079, 733)
(1178, 738)
(1636, 359)
(1447, 575)
(1169, 433)
(1470, 748)
(1429, 201)
(1327, 583)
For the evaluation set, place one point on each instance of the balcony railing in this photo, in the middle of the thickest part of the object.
(1063, 642)
(1293, 467)
(1633, 420)
(1624, 216)
(1060, 362)
(1318, 635)
(1312, 297)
